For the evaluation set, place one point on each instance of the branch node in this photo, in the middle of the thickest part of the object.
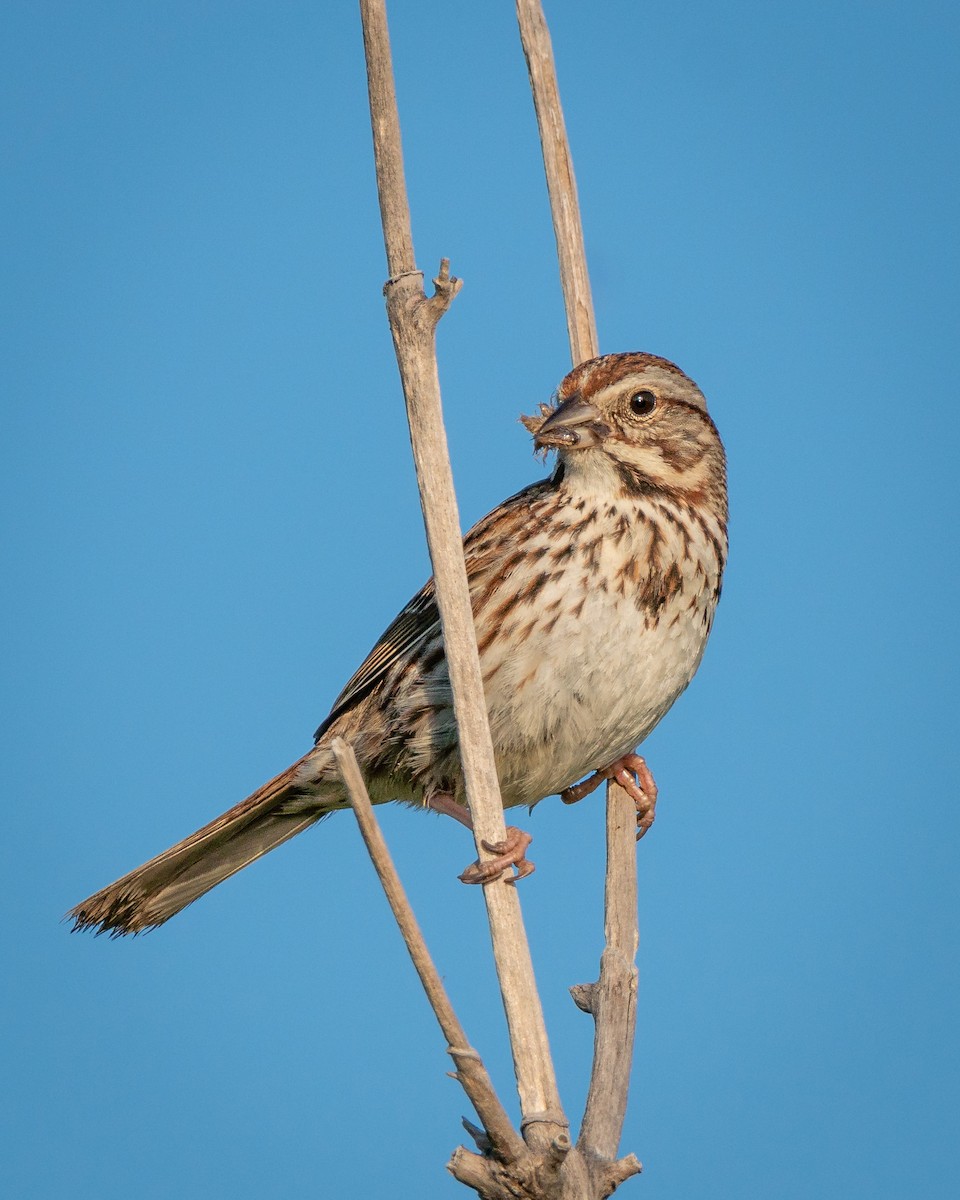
(479, 1135)
(472, 1169)
(414, 274)
(611, 1175)
(485, 1175)
(446, 286)
(444, 281)
(560, 1147)
(549, 1117)
(584, 996)
(463, 1052)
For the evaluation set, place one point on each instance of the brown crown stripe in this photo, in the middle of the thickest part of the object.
(598, 373)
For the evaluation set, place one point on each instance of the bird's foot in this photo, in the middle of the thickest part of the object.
(511, 852)
(634, 776)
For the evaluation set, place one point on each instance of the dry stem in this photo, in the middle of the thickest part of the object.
(503, 1138)
(613, 999)
(505, 1167)
(558, 164)
(413, 321)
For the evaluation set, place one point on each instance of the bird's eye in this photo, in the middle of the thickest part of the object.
(643, 403)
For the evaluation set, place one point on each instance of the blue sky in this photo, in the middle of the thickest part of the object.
(210, 514)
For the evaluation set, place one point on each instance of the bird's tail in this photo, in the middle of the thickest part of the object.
(160, 888)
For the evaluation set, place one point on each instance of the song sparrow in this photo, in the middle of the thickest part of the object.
(593, 593)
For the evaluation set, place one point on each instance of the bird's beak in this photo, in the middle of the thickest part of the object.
(575, 425)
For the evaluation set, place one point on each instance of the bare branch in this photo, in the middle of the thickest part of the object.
(387, 146)
(610, 1176)
(613, 999)
(558, 164)
(471, 1072)
(413, 325)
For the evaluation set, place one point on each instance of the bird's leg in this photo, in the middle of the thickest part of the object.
(443, 802)
(511, 852)
(634, 776)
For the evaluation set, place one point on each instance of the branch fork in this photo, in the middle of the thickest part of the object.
(405, 294)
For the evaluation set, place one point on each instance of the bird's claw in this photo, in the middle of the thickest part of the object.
(634, 776)
(511, 852)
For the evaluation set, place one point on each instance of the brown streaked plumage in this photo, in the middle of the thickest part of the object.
(593, 593)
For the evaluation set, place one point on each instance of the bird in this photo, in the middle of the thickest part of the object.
(593, 593)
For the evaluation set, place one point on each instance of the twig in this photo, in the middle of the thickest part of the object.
(387, 146)
(504, 1140)
(613, 999)
(564, 205)
(413, 321)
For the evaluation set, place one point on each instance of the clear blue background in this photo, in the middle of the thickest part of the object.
(210, 514)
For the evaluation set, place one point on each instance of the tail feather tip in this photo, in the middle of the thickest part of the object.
(115, 915)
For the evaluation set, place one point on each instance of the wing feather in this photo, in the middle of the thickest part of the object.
(487, 547)
(418, 621)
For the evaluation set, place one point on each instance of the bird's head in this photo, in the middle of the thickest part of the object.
(636, 416)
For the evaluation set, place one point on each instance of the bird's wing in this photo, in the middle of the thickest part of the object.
(416, 622)
(489, 549)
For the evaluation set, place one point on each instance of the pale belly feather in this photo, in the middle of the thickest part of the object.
(587, 693)
(579, 694)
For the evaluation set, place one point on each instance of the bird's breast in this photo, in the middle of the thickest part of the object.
(596, 636)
